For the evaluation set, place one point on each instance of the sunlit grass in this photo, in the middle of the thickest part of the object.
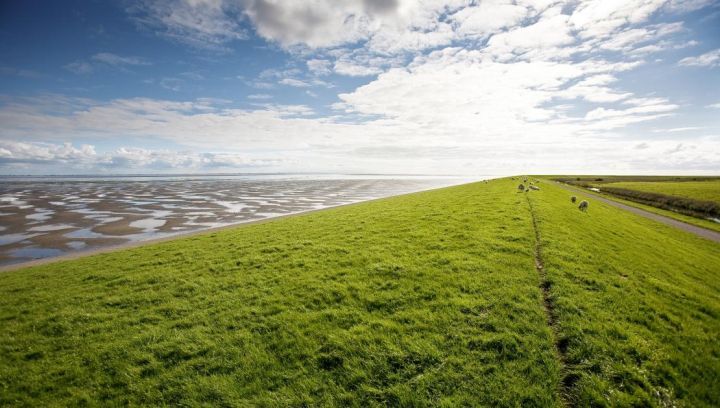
(637, 303)
(426, 299)
(708, 190)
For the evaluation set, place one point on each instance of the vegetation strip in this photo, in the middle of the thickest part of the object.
(637, 304)
(693, 229)
(683, 205)
(418, 300)
(548, 304)
(694, 200)
(428, 299)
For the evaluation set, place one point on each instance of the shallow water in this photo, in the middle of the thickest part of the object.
(41, 218)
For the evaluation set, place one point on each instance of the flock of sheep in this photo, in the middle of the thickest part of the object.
(583, 204)
(530, 186)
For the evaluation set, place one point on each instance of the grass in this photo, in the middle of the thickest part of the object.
(700, 190)
(700, 222)
(429, 299)
(689, 199)
(422, 299)
(637, 305)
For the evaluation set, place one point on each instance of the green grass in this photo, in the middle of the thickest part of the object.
(638, 305)
(692, 187)
(429, 299)
(700, 222)
(700, 190)
(422, 299)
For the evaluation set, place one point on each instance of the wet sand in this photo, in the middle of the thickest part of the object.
(40, 220)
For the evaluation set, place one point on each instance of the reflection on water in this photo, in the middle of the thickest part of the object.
(35, 252)
(40, 218)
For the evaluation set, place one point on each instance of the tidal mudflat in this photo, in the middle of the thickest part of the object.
(40, 218)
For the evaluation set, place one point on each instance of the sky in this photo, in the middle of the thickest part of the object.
(462, 87)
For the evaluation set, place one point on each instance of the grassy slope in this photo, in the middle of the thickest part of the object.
(700, 222)
(699, 190)
(711, 225)
(425, 299)
(638, 305)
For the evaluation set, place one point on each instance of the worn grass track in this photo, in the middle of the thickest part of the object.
(549, 305)
(429, 299)
(637, 303)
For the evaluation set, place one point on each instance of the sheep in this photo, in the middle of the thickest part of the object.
(573, 199)
(534, 187)
(583, 205)
(521, 187)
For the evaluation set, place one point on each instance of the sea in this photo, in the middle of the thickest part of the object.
(52, 216)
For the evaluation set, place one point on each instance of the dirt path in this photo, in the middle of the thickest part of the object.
(550, 314)
(699, 231)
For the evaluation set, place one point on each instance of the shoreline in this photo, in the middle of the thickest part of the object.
(135, 244)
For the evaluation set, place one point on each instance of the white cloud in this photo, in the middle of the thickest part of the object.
(687, 5)
(259, 96)
(294, 82)
(37, 152)
(208, 24)
(549, 32)
(505, 99)
(709, 59)
(600, 18)
(319, 66)
(293, 138)
(317, 25)
(114, 59)
(595, 89)
(351, 68)
(104, 59)
(679, 129)
(636, 39)
(21, 154)
(714, 105)
(488, 17)
(493, 84)
(386, 25)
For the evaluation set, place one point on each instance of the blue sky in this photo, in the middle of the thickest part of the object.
(439, 87)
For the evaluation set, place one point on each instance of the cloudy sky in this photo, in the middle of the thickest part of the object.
(370, 86)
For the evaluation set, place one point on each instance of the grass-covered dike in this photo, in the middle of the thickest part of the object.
(428, 299)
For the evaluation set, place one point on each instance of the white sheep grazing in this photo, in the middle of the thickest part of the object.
(534, 187)
(583, 205)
